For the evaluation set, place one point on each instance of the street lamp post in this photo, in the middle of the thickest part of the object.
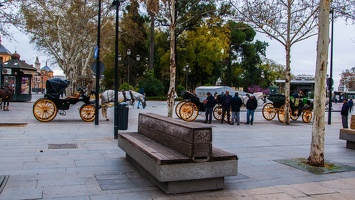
(187, 69)
(138, 58)
(42, 83)
(330, 82)
(128, 54)
(116, 3)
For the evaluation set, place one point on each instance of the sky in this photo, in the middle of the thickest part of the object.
(303, 54)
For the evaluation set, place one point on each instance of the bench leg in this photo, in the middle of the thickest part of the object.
(350, 144)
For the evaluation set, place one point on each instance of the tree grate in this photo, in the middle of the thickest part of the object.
(62, 146)
(3, 181)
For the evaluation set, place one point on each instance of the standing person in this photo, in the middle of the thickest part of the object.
(210, 103)
(251, 105)
(236, 103)
(344, 113)
(226, 102)
(350, 104)
(141, 91)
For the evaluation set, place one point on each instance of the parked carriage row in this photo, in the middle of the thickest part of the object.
(192, 106)
(45, 109)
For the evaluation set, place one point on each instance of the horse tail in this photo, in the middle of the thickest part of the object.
(104, 111)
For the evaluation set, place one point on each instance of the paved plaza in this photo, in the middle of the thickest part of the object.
(68, 158)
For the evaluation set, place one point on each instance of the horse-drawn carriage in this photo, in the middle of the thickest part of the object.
(191, 107)
(46, 109)
(298, 107)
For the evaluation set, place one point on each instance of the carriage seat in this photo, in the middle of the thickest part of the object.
(177, 156)
(74, 96)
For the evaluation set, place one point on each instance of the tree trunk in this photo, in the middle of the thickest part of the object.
(288, 65)
(316, 157)
(287, 83)
(170, 97)
(151, 50)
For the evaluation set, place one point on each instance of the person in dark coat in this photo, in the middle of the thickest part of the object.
(210, 103)
(251, 105)
(344, 113)
(236, 103)
(226, 102)
(350, 104)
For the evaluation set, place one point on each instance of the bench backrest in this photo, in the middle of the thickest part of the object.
(189, 138)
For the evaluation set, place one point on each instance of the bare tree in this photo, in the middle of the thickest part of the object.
(179, 16)
(286, 21)
(290, 21)
(7, 17)
(65, 30)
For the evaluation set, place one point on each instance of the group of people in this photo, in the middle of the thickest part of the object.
(233, 104)
(345, 110)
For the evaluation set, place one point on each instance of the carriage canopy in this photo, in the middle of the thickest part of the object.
(55, 87)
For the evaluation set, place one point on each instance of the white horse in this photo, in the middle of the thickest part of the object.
(258, 96)
(108, 98)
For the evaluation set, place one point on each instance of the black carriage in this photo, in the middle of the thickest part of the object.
(191, 107)
(298, 107)
(46, 109)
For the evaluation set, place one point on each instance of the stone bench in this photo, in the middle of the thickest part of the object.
(176, 155)
(349, 136)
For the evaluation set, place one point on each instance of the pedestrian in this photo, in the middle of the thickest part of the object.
(251, 105)
(210, 103)
(350, 104)
(226, 102)
(141, 91)
(344, 113)
(236, 103)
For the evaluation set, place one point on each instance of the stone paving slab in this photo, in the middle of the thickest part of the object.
(37, 172)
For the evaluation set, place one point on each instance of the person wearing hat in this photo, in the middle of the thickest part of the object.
(226, 103)
(251, 105)
(210, 103)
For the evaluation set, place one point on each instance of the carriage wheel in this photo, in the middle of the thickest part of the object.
(87, 112)
(188, 111)
(294, 115)
(217, 112)
(44, 110)
(281, 114)
(307, 116)
(178, 107)
(269, 111)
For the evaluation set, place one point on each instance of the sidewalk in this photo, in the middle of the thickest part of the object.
(88, 165)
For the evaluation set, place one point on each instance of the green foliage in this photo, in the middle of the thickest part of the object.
(125, 86)
(203, 48)
(180, 89)
(152, 86)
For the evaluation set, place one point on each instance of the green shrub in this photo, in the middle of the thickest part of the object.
(125, 86)
(152, 86)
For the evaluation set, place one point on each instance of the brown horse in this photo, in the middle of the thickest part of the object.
(6, 94)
